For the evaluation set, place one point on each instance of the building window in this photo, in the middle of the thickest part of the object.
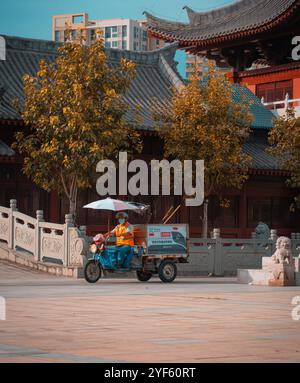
(107, 44)
(275, 91)
(57, 35)
(92, 34)
(108, 32)
(124, 44)
(77, 19)
(114, 31)
(275, 212)
(114, 44)
(136, 32)
(219, 216)
(157, 41)
(135, 46)
(145, 35)
(73, 34)
(259, 210)
(124, 30)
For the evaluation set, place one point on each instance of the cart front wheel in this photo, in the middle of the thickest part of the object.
(92, 271)
(143, 276)
(167, 271)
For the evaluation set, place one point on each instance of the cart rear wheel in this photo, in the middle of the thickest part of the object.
(143, 276)
(167, 271)
(92, 271)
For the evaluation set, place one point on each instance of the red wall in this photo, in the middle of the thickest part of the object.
(268, 75)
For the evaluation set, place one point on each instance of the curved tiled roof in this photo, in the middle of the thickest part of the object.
(5, 150)
(262, 117)
(155, 75)
(243, 17)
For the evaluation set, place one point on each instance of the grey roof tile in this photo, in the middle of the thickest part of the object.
(155, 75)
(5, 150)
(263, 118)
(261, 159)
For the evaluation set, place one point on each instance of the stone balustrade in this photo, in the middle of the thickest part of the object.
(47, 242)
(66, 245)
(223, 256)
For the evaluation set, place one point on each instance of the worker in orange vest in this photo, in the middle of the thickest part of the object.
(125, 239)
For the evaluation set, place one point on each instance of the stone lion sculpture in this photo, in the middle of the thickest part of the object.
(262, 231)
(283, 253)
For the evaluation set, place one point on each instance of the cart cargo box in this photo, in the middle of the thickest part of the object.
(167, 240)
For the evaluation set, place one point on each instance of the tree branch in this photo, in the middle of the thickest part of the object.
(64, 184)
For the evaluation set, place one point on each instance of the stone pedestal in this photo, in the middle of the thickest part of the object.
(272, 274)
(283, 274)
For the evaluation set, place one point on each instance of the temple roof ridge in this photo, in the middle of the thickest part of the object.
(229, 10)
(243, 17)
(158, 20)
(26, 44)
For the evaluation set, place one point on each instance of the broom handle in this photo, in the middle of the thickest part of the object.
(170, 216)
(167, 213)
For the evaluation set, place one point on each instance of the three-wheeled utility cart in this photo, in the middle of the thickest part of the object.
(157, 250)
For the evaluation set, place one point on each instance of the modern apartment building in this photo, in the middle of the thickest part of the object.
(118, 33)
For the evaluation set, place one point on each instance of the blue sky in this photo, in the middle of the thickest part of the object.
(33, 18)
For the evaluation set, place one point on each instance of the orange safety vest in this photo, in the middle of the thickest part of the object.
(121, 229)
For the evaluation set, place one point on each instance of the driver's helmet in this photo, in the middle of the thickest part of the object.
(122, 214)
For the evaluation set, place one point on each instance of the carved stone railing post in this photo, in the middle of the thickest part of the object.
(69, 222)
(218, 267)
(78, 246)
(273, 235)
(273, 238)
(39, 218)
(13, 207)
(254, 241)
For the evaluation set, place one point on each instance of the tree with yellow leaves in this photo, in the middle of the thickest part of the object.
(203, 122)
(284, 139)
(75, 110)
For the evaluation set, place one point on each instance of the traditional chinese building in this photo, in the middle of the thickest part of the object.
(242, 35)
(264, 197)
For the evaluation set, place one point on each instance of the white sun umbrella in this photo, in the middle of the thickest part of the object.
(114, 205)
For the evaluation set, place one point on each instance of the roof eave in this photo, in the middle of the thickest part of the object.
(215, 40)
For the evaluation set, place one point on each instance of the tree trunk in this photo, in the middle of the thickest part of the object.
(72, 207)
(205, 219)
(73, 201)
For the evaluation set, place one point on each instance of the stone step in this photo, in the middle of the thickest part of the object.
(258, 277)
(253, 276)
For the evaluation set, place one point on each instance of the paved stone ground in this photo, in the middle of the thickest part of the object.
(53, 319)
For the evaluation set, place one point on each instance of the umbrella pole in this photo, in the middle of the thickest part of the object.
(108, 222)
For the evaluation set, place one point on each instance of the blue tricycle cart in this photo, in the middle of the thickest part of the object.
(158, 248)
